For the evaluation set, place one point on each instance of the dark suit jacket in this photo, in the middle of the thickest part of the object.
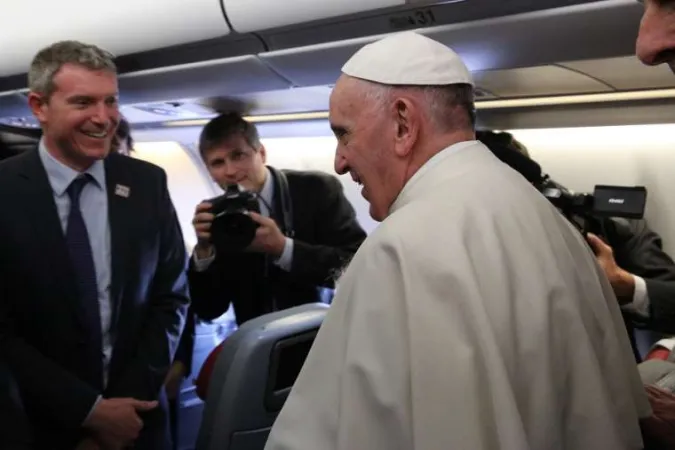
(41, 329)
(638, 250)
(327, 235)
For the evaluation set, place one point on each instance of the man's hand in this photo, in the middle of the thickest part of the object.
(116, 419)
(622, 282)
(659, 429)
(174, 379)
(268, 237)
(201, 222)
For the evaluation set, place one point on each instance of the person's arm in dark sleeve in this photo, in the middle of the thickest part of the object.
(66, 399)
(339, 236)
(213, 285)
(639, 251)
(186, 344)
(165, 319)
(660, 302)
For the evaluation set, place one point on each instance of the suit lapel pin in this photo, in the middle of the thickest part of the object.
(122, 191)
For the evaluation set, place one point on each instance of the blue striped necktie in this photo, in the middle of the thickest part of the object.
(77, 240)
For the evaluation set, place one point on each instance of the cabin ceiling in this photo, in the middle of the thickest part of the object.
(565, 78)
(579, 49)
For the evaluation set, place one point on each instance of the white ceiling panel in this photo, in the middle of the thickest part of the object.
(120, 26)
(537, 81)
(625, 73)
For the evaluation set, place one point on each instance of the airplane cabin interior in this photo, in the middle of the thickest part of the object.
(560, 75)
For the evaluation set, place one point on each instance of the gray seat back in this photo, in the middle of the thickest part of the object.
(253, 376)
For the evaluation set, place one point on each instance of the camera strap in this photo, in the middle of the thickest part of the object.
(285, 200)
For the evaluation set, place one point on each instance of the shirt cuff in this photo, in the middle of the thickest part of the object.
(285, 261)
(202, 264)
(98, 399)
(640, 303)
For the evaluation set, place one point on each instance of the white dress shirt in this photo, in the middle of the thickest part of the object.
(640, 303)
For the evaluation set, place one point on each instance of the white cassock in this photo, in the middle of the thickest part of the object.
(474, 317)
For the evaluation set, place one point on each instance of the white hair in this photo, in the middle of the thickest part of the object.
(441, 102)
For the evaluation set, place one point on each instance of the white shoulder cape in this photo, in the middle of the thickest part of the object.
(473, 318)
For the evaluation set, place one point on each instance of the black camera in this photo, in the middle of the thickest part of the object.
(586, 211)
(232, 228)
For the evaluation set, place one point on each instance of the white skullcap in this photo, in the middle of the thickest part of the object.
(408, 58)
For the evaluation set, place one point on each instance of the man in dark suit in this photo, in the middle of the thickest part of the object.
(93, 290)
(642, 274)
(630, 253)
(280, 268)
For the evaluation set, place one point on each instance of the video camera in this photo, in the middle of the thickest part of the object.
(232, 228)
(586, 211)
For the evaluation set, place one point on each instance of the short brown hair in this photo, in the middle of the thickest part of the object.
(223, 127)
(123, 134)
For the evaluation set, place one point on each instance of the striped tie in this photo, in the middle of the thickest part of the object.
(77, 239)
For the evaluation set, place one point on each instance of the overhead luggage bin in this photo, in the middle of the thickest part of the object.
(414, 14)
(121, 26)
(247, 16)
(540, 81)
(228, 76)
(522, 40)
(625, 73)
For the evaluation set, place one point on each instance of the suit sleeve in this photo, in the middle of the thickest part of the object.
(68, 398)
(187, 342)
(642, 254)
(165, 318)
(339, 236)
(213, 289)
(661, 295)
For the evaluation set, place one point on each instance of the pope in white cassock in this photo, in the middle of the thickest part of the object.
(474, 317)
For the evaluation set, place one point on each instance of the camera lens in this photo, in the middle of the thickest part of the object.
(233, 231)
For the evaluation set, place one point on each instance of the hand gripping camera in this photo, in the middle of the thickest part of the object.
(233, 229)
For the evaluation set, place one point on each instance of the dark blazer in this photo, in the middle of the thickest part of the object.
(327, 235)
(639, 250)
(41, 330)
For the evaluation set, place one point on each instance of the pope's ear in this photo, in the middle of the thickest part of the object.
(408, 117)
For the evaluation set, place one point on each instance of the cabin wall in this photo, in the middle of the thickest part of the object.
(578, 158)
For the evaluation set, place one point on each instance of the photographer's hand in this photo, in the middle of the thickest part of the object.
(202, 225)
(268, 237)
(622, 281)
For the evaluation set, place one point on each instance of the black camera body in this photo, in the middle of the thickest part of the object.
(233, 229)
(586, 210)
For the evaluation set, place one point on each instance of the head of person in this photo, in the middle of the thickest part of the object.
(656, 38)
(398, 102)
(514, 154)
(231, 149)
(122, 142)
(73, 94)
(493, 139)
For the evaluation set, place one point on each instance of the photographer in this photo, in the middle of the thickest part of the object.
(631, 255)
(279, 268)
